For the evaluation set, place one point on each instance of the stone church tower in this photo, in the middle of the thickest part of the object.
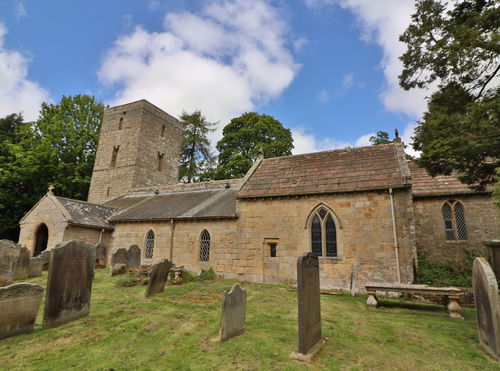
(139, 146)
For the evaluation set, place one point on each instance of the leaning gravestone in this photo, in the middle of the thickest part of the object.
(158, 278)
(134, 256)
(233, 313)
(23, 262)
(487, 303)
(19, 305)
(9, 254)
(310, 339)
(35, 267)
(69, 285)
(100, 256)
(45, 256)
(119, 262)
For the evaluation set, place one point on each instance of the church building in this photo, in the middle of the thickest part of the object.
(365, 212)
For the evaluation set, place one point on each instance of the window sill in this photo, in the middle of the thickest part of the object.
(330, 260)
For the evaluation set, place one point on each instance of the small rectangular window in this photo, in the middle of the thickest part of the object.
(163, 130)
(272, 250)
(160, 161)
(114, 155)
(120, 124)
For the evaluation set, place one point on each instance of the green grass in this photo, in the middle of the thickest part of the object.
(176, 330)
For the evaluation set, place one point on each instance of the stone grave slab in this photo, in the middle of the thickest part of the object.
(308, 288)
(45, 256)
(134, 256)
(100, 256)
(69, 284)
(9, 253)
(233, 313)
(158, 278)
(487, 304)
(35, 267)
(23, 263)
(119, 262)
(19, 304)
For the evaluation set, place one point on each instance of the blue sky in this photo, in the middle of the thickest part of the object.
(327, 69)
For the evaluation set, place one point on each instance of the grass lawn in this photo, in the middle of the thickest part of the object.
(176, 330)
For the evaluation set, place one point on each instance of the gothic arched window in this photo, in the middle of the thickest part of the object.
(323, 234)
(455, 227)
(150, 245)
(204, 246)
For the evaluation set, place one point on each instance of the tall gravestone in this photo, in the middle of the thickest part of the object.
(134, 256)
(35, 267)
(23, 263)
(233, 313)
(100, 256)
(487, 303)
(158, 278)
(310, 338)
(9, 254)
(19, 305)
(119, 262)
(69, 284)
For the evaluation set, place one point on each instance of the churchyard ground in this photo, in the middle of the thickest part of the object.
(178, 330)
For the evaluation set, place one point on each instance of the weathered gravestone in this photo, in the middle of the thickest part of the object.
(119, 262)
(69, 285)
(9, 253)
(100, 256)
(134, 256)
(35, 267)
(487, 303)
(19, 305)
(23, 262)
(233, 313)
(45, 256)
(158, 278)
(310, 339)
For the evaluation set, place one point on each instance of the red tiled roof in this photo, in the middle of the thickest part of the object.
(343, 170)
(425, 185)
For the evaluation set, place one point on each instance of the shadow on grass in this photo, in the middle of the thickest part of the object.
(387, 303)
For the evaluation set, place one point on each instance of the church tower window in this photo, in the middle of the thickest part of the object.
(114, 155)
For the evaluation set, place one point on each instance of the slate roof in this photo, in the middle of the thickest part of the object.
(342, 170)
(201, 204)
(84, 213)
(425, 185)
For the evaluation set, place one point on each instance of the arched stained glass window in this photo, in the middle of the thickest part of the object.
(331, 237)
(455, 227)
(204, 246)
(150, 245)
(317, 248)
(323, 234)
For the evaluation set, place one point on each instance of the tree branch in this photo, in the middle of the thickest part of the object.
(487, 82)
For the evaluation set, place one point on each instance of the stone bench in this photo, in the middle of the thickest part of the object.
(452, 293)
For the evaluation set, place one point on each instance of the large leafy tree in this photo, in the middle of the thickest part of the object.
(59, 149)
(458, 50)
(196, 156)
(247, 137)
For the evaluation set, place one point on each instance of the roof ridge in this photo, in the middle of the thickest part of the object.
(83, 202)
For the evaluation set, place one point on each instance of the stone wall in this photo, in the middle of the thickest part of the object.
(135, 130)
(88, 235)
(46, 212)
(364, 238)
(481, 216)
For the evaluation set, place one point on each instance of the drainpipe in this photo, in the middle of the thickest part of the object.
(395, 236)
(100, 236)
(172, 229)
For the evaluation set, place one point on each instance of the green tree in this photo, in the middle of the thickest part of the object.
(58, 149)
(245, 138)
(459, 50)
(196, 156)
(382, 137)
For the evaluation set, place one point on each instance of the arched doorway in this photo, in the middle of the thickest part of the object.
(41, 238)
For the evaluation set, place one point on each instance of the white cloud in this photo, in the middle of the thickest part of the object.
(21, 10)
(299, 44)
(323, 96)
(304, 142)
(223, 61)
(17, 92)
